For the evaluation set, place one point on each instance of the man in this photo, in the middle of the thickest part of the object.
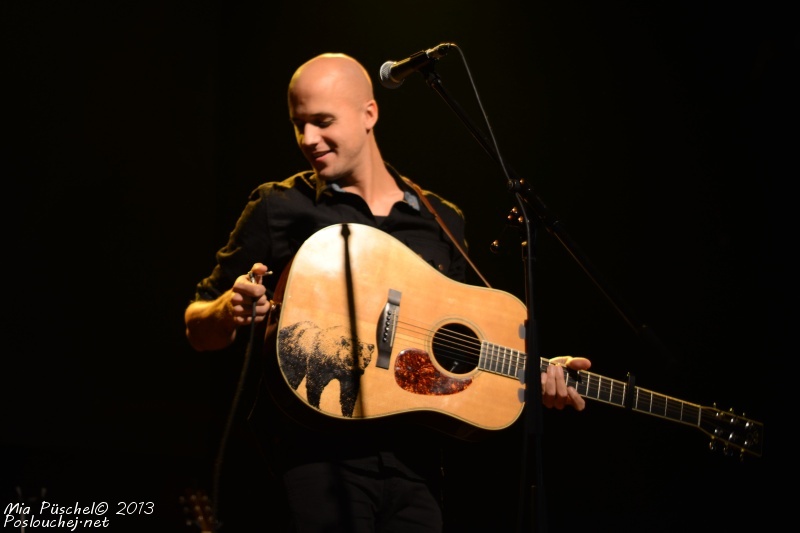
(360, 478)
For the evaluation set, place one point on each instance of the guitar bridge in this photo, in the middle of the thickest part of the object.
(386, 328)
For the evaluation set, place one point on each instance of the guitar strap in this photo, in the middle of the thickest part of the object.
(422, 197)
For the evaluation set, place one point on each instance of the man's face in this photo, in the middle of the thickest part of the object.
(330, 127)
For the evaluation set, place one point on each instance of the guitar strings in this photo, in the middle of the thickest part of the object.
(468, 349)
(457, 345)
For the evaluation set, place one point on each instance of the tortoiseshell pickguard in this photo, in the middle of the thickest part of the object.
(414, 372)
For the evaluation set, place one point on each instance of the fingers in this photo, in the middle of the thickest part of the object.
(554, 388)
(248, 299)
(258, 272)
(576, 400)
(548, 391)
(246, 310)
(555, 392)
(250, 283)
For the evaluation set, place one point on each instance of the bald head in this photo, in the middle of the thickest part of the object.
(334, 113)
(338, 73)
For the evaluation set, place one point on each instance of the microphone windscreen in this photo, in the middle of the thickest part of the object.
(386, 76)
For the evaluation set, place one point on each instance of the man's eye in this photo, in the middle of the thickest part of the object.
(321, 124)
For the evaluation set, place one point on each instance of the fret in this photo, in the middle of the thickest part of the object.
(500, 360)
(505, 362)
(594, 387)
(519, 363)
(655, 405)
(483, 359)
(496, 359)
(668, 407)
(618, 394)
(492, 357)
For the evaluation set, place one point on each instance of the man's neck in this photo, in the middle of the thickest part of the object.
(376, 185)
(379, 190)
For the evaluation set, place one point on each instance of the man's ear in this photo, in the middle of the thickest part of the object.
(371, 114)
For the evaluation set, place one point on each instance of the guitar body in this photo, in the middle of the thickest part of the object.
(367, 329)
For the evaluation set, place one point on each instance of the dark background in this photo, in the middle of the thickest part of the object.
(656, 133)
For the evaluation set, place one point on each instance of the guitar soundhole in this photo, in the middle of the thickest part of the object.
(456, 348)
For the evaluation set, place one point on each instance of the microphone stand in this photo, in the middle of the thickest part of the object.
(531, 514)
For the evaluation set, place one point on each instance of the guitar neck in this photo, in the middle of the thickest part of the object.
(626, 394)
(743, 434)
(511, 363)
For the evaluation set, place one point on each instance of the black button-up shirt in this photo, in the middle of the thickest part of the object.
(280, 216)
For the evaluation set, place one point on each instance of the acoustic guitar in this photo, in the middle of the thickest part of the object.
(366, 329)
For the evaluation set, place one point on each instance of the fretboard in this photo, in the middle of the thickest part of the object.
(511, 363)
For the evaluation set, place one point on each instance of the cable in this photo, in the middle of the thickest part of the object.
(215, 522)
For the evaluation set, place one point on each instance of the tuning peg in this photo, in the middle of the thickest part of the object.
(726, 451)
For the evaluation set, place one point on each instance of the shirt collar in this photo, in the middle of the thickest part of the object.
(409, 196)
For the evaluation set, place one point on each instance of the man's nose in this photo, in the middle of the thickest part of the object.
(310, 135)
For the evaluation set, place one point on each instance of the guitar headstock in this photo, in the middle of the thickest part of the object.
(731, 433)
(198, 511)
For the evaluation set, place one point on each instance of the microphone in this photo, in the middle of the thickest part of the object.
(394, 73)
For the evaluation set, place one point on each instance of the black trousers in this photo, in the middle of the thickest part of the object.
(368, 497)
